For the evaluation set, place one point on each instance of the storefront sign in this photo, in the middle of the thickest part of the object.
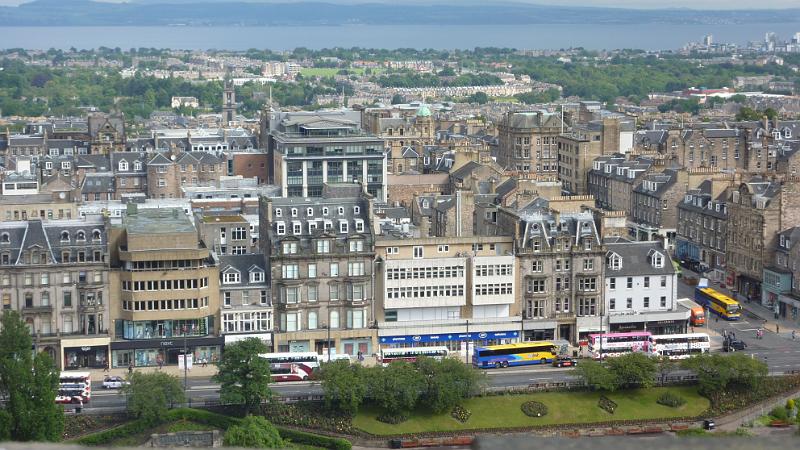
(154, 343)
(483, 335)
(166, 343)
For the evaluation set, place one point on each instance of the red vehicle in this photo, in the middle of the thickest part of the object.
(74, 387)
(290, 372)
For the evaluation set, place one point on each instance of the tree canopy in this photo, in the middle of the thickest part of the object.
(150, 395)
(253, 432)
(243, 375)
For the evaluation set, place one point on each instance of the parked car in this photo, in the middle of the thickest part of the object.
(709, 424)
(114, 382)
(565, 361)
(732, 345)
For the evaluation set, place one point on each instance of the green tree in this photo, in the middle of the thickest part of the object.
(597, 376)
(28, 384)
(748, 113)
(395, 388)
(397, 99)
(633, 370)
(253, 432)
(447, 72)
(150, 395)
(478, 97)
(344, 386)
(448, 382)
(719, 372)
(244, 376)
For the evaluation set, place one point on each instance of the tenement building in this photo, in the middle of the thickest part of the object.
(445, 291)
(164, 290)
(322, 259)
(245, 299)
(560, 259)
(528, 142)
(702, 229)
(55, 273)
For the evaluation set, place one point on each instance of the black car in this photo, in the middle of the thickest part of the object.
(565, 361)
(732, 345)
(709, 424)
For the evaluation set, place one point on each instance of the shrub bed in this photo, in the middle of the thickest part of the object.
(670, 399)
(316, 440)
(607, 404)
(534, 409)
(460, 413)
(723, 402)
(76, 425)
(307, 415)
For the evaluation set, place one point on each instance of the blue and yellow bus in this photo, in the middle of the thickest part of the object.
(520, 354)
(718, 303)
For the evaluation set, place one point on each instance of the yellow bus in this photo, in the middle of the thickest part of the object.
(520, 354)
(718, 303)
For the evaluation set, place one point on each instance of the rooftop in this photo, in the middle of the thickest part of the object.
(226, 219)
(158, 221)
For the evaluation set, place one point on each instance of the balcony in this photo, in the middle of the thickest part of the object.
(40, 309)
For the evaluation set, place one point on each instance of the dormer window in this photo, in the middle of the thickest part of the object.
(341, 210)
(787, 133)
(783, 241)
(65, 236)
(231, 278)
(310, 212)
(257, 276)
(280, 228)
(278, 212)
(657, 260)
(297, 228)
(123, 166)
(614, 262)
(343, 226)
(5, 238)
(81, 236)
(356, 210)
(96, 235)
(359, 226)
(311, 227)
(325, 211)
(294, 212)
(137, 166)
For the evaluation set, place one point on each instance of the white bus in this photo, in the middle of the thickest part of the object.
(411, 354)
(309, 359)
(680, 346)
(290, 372)
(74, 387)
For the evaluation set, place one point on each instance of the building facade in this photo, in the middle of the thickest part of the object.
(528, 142)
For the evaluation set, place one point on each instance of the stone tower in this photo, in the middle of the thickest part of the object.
(228, 103)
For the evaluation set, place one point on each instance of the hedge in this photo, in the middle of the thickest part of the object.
(316, 440)
(215, 420)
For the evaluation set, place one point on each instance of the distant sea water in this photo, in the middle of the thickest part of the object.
(546, 36)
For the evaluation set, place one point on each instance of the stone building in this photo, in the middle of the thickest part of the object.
(164, 290)
(406, 130)
(169, 173)
(560, 259)
(528, 142)
(757, 211)
(613, 178)
(780, 289)
(703, 229)
(226, 234)
(654, 200)
(55, 273)
(130, 172)
(245, 298)
(321, 252)
(106, 133)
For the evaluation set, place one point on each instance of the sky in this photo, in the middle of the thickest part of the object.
(696, 4)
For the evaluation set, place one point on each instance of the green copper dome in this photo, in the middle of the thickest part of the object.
(423, 111)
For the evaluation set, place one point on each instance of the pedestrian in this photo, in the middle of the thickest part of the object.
(777, 329)
(105, 368)
(130, 368)
(716, 319)
(794, 334)
(204, 361)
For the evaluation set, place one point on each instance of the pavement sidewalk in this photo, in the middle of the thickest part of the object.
(196, 371)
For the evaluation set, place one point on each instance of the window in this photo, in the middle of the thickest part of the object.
(357, 246)
(355, 269)
(355, 292)
(612, 303)
(359, 226)
(536, 309)
(536, 286)
(444, 248)
(123, 165)
(294, 212)
(629, 303)
(334, 319)
(290, 271)
(392, 250)
(256, 276)
(239, 233)
(264, 297)
(44, 280)
(67, 299)
(289, 248)
(334, 269)
(663, 302)
(588, 264)
(312, 293)
(663, 281)
(278, 212)
(657, 260)
(343, 227)
(297, 227)
(418, 252)
(312, 320)
(587, 306)
(245, 297)
(614, 262)
(292, 295)
(536, 266)
(333, 292)
(227, 299)
(629, 283)
(310, 212)
(280, 228)
(312, 270)
(231, 278)
(587, 284)
(323, 246)
(647, 282)
(646, 302)
(612, 283)
(292, 321)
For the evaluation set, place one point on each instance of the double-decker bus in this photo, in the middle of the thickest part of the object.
(519, 354)
(309, 359)
(74, 387)
(616, 344)
(718, 303)
(680, 346)
(410, 354)
(290, 372)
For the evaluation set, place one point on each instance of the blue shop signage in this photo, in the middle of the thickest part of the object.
(421, 338)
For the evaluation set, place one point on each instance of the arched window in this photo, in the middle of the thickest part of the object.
(123, 165)
(65, 236)
(5, 238)
(334, 319)
(96, 236)
(81, 235)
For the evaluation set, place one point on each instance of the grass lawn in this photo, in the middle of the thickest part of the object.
(563, 407)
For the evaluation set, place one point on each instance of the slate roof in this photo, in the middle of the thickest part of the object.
(244, 264)
(102, 182)
(636, 257)
(47, 236)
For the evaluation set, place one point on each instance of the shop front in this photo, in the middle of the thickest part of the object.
(154, 352)
(84, 353)
(666, 322)
(453, 341)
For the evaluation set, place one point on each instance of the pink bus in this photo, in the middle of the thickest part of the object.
(606, 345)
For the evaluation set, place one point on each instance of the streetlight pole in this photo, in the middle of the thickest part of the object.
(469, 340)
(329, 341)
(185, 362)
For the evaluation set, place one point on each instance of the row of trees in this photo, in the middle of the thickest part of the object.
(715, 372)
(409, 79)
(401, 387)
